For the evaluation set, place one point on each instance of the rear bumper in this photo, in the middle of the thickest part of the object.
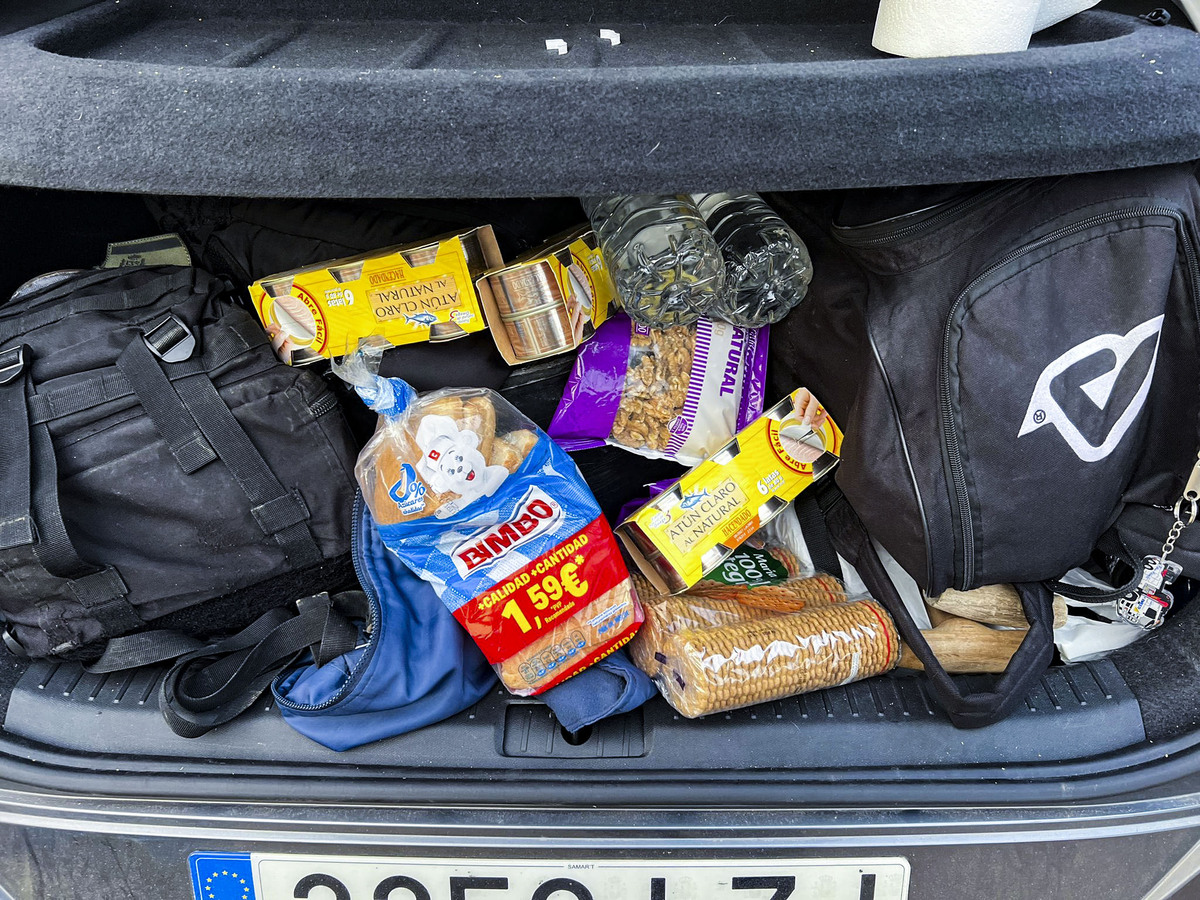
(56, 845)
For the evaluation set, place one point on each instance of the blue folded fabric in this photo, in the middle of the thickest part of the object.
(612, 686)
(417, 667)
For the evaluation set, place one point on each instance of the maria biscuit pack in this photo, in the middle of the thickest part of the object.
(408, 294)
(689, 529)
(711, 651)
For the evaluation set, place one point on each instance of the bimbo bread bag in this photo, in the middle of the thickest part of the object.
(478, 502)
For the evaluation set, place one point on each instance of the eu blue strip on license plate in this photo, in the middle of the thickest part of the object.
(269, 876)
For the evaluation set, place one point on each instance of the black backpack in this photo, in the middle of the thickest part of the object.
(159, 464)
(1016, 369)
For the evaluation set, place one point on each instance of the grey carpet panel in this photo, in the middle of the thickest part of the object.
(440, 99)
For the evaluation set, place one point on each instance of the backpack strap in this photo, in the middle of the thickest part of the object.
(211, 683)
(161, 403)
(16, 515)
(199, 428)
(29, 509)
(816, 535)
(969, 710)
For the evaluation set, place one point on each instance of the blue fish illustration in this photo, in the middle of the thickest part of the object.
(692, 499)
(423, 318)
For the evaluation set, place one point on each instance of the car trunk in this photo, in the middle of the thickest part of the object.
(108, 103)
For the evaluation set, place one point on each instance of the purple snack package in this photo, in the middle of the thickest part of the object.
(585, 416)
(754, 378)
(676, 393)
(652, 491)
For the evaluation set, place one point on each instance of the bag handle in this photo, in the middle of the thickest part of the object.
(966, 710)
(212, 683)
(1111, 545)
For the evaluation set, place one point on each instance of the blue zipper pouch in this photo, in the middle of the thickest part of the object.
(414, 665)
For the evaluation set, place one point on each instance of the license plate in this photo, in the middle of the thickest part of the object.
(265, 876)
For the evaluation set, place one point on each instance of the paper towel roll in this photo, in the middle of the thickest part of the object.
(1191, 9)
(1054, 11)
(954, 27)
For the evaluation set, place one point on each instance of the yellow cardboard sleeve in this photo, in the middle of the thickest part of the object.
(575, 289)
(691, 528)
(407, 294)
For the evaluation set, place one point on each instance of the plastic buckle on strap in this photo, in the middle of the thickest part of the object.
(170, 340)
(12, 364)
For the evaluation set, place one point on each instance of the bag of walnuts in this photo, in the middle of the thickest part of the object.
(673, 393)
(481, 504)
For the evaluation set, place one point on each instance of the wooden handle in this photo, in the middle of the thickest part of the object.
(995, 604)
(964, 647)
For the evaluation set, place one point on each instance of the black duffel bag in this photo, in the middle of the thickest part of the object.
(159, 464)
(1013, 364)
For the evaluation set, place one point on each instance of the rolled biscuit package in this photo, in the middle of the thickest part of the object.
(711, 651)
(481, 504)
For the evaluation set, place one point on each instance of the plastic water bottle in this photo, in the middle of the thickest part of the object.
(665, 262)
(767, 266)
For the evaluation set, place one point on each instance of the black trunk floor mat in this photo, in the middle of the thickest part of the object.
(1075, 712)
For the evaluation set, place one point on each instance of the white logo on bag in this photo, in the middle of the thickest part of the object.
(1044, 409)
(536, 514)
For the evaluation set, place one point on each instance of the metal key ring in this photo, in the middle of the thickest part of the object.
(1193, 510)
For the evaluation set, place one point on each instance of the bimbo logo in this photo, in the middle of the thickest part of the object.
(1045, 410)
(536, 514)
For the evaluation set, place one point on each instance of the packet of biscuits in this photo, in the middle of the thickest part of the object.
(480, 503)
(717, 647)
(671, 393)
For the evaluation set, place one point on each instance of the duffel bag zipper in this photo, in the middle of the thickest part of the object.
(946, 403)
(876, 234)
(372, 626)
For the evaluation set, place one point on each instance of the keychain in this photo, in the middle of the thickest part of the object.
(1147, 605)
